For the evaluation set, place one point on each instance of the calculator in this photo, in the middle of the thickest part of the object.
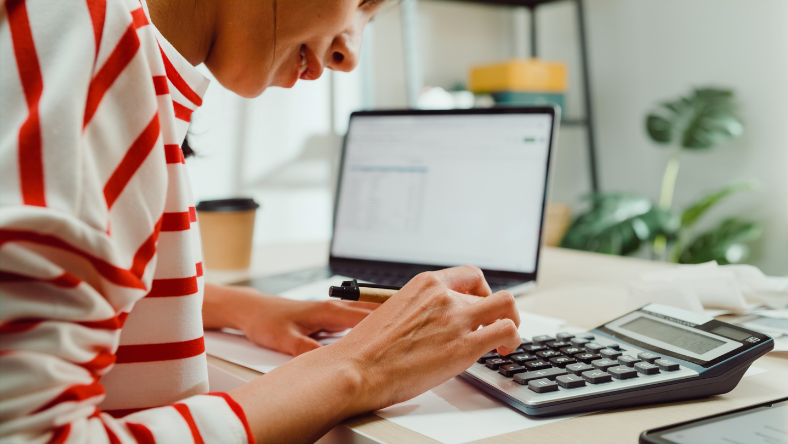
(654, 354)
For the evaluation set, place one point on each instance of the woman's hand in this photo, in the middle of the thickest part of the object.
(425, 334)
(276, 323)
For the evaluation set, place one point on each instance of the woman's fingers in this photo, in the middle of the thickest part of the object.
(465, 279)
(338, 315)
(500, 305)
(501, 335)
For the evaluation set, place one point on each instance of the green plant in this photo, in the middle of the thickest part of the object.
(622, 224)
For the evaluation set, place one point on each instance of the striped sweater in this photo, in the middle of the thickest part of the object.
(101, 335)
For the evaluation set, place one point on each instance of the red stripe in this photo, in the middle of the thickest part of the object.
(183, 409)
(60, 435)
(173, 154)
(118, 276)
(127, 354)
(98, 11)
(65, 280)
(121, 56)
(182, 112)
(75, 393)
(141, 433)
(239, 412)
(113, 438)
(163, 288)
(160, 84)
(102, 360)
(175, 221)
(25, 324)
(131, 162)
(178, 82)
(120, 413)
(19, 325)
(192, 214)
(199, 269)
(138, 18)
(146, 251)
(31, 164)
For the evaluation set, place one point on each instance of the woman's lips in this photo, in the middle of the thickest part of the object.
(310, 68)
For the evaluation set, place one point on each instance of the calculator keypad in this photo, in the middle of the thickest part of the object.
(548, 368)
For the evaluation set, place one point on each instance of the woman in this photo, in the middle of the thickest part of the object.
(102, 294)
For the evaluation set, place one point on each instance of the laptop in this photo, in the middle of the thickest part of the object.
(422, 190)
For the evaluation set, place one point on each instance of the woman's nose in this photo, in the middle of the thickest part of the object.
(344, 52)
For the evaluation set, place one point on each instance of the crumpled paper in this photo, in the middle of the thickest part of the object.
(736, 288)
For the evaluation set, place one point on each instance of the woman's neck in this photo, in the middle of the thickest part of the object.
(189, 25)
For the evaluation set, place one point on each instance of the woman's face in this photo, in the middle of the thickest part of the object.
(276, 42)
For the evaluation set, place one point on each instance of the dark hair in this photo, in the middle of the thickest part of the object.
(187, 150)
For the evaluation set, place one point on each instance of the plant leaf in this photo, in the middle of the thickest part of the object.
(702, 120)
(692, 213)
(618, 224)
(726, 243)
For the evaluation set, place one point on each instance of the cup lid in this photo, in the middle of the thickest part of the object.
(237, 204)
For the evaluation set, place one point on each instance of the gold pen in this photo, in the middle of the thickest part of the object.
(353, 291)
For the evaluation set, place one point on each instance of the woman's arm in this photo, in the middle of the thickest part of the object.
(424, 335)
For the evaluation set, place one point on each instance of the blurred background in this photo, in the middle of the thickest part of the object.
(720, 65)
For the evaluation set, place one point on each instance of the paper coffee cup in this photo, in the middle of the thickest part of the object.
(226, 229)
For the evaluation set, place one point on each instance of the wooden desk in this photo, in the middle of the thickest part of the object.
(587, 290)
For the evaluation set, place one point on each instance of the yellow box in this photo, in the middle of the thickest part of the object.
(527, 75)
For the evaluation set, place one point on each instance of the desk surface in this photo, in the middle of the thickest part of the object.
(587, 290)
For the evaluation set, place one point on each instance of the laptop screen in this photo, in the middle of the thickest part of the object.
(444, 189)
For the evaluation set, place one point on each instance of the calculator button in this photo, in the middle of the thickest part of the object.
(555, 345)
(596, 376)
(622, 372)
(579, 342)
(496, 363)
(524, 342)
(614, 346)
(564, 336)
(610, 353)
(590, 337)
(587, 357)
(510, 370)
(570, 381)
(487, 356)
(571, 350)
(517, 351)
(550, 373)
(542, 385)
(666, 365)
(578, 368)
(542, 339)
(646, 368)
(602, 364)
(521, 358)
(628, 360)
(537, 365)
(547, 354)
(594, 347)
(533, 348)
(648, 357)
(562, 361)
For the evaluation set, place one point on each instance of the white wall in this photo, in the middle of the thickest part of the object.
(642, 52)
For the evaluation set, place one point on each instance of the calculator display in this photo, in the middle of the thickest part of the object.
(679, 337)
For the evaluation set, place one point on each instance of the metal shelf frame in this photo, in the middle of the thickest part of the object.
(414, 80)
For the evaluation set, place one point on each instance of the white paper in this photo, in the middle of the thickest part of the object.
(457, 412)
(752, 371)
